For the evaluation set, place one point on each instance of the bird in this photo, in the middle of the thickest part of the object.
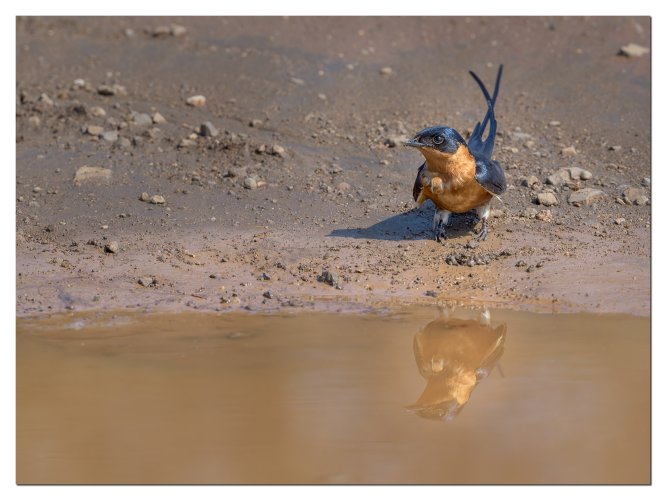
(459, 176)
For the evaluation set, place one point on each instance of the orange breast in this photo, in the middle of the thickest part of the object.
(461, 190)
(463, 199)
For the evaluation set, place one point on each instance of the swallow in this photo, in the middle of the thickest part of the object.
(459, 176)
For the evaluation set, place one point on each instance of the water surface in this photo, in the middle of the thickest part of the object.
(417, 396)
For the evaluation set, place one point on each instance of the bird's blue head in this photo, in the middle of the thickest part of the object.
(442, 139)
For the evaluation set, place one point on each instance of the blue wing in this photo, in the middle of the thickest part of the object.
(490, 175)
(417, 183)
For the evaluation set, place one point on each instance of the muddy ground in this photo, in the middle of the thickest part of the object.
(299, 173)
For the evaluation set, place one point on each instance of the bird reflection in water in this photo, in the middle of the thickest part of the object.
(454, 355)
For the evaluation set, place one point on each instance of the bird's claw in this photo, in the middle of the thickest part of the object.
(483, 232)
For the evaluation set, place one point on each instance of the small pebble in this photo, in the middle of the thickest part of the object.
(634, 196)
(529, 213)
(112, 247)
(94, 130)
(146, 281)
(197, 101)
(157, 199)
(141, 119)
(330, 278)
(97, 111)
(109, 90)
(177, 30)
(91, 174)
(633, 50)
(569, 151)
(547, 199)
(545, 216)
(250, 183)
(386, 71)
(530, 181)
(585, 196)
(207, 129)
(277, 150)
(110, 136)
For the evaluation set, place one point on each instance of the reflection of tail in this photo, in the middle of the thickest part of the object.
(494, 354)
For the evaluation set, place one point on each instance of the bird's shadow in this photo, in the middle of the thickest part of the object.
(416, 224)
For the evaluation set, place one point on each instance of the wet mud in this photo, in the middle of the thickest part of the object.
(130, 194)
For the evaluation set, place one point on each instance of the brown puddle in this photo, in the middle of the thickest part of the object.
(412, 397)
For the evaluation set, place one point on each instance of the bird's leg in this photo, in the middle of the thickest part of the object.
(483, 212)
(440, 220)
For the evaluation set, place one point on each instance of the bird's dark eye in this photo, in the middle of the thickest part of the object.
(438, 139)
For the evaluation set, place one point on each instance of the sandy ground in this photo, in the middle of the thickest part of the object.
(298, 175)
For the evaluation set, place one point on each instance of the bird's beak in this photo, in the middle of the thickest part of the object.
(414, 143)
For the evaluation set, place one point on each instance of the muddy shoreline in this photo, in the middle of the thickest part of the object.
(299, 174)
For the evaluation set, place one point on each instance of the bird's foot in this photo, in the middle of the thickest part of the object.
(438, 223)
(482, 234)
